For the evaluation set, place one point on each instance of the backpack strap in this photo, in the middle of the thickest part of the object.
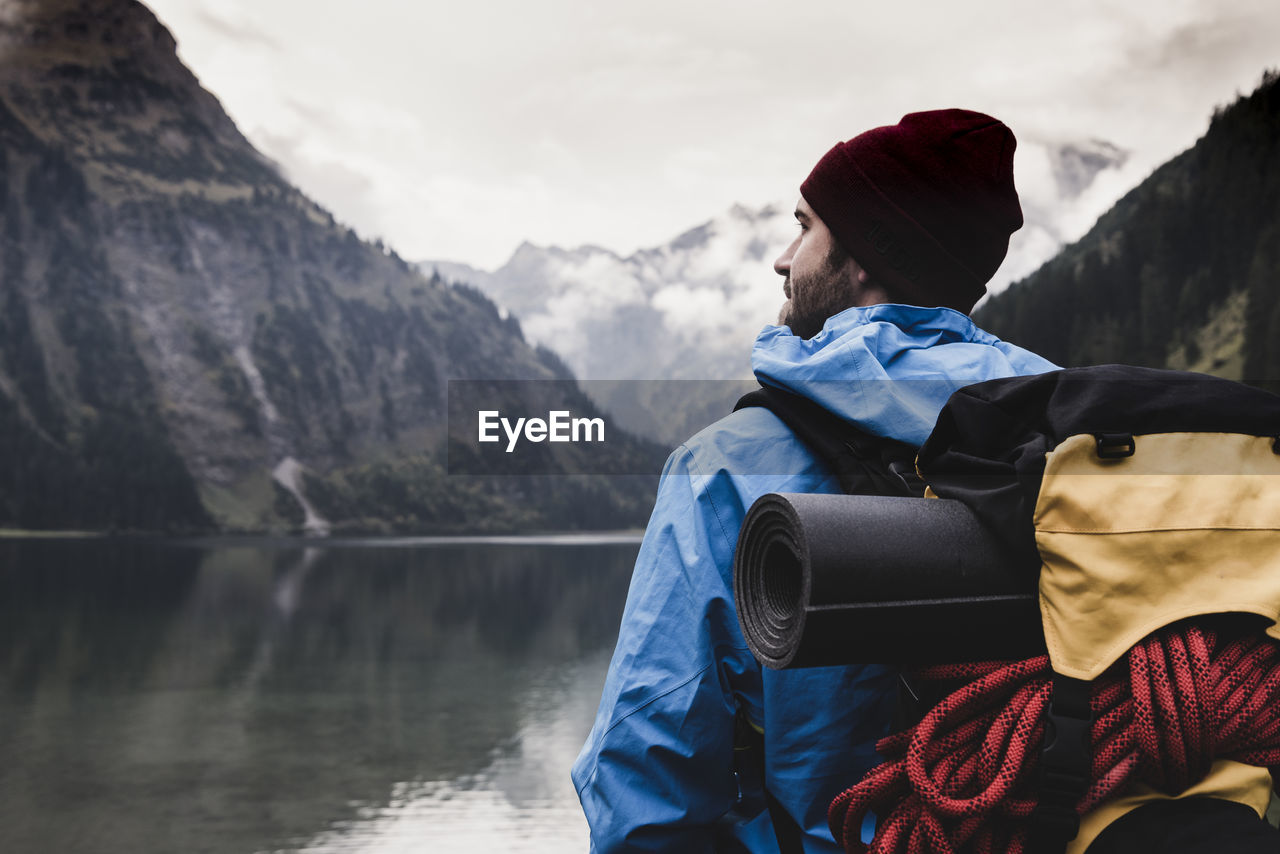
(1065, 761)
(748, 748)
(864, 464)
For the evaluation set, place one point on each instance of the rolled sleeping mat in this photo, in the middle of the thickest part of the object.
(853, 579)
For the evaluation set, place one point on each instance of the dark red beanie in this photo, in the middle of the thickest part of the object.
(925, 206)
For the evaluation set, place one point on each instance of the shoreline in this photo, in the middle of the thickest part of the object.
(296, 540)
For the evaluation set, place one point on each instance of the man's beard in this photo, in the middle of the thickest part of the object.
(817, 296)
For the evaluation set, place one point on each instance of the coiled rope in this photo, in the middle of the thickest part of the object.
(964, 777)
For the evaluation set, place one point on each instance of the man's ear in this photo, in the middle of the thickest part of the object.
(869, 292)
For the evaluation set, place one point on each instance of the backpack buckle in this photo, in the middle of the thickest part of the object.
(1065, 764)
(1115, 446)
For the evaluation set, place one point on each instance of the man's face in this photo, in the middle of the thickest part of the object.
(820, 277)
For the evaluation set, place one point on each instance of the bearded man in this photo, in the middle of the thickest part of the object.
(900, 228)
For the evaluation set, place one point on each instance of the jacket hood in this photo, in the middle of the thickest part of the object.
(888, 368)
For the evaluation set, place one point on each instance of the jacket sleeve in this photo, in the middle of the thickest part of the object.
(657, 769)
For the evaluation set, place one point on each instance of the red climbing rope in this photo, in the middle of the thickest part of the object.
(964, 778)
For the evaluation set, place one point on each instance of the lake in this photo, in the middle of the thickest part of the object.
(261, 695)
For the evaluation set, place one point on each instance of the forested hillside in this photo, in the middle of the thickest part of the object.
(1183, 272)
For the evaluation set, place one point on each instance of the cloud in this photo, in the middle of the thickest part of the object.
(1211, 38)
(481, 125)
(245, 34)
(349, 194)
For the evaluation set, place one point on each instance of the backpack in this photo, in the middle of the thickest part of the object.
(1146, 497)
(1138, 493)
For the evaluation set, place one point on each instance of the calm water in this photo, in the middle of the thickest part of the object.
(384, 696)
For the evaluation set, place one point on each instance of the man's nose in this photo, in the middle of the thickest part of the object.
(782, 266)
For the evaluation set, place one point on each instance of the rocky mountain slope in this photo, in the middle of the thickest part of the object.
(187, 342)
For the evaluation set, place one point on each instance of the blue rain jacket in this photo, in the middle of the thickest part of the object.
(657, 772)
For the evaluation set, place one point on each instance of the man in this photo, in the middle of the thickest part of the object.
(900, 229)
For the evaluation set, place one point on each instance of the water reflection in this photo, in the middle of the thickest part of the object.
(522, 801)
(263, 697)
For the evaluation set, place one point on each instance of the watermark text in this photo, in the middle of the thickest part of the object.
(558, 426)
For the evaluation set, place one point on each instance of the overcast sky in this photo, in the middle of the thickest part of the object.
(456, 130)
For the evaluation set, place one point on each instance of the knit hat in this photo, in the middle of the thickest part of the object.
(925, 206)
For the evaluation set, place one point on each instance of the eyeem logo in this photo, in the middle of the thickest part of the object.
(557, 427)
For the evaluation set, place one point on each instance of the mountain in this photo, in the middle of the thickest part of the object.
(685, 310)
(189, 343)
(689, 309)
(1076, 165)
(1183, 272)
